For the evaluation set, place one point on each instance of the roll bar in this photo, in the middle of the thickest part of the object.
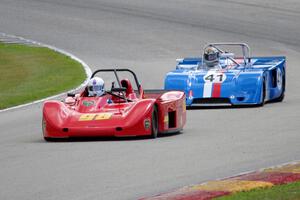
(117, 77)
(245, 51)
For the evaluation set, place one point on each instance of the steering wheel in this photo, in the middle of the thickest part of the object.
(122, 89)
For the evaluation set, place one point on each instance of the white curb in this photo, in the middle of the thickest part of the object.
(87, 69)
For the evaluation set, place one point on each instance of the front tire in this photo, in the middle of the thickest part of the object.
(48, 139)
(154, 124)
(44, 130)
(263, 93)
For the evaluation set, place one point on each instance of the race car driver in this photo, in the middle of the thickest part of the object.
(96, 87)
(211, 58)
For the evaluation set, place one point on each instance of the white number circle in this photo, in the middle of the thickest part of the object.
(214, 77)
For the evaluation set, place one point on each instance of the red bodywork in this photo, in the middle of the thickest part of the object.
(83, 116)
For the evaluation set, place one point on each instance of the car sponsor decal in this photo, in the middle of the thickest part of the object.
(86, 117)
(147, 123)
(94, 116)
(102, 116)
(213, 82)
(88, 103)
(166, 119)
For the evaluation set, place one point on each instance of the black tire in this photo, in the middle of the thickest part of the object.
(48, 139)
(263, 93)
(281, 97)
(154, 123)
(43, 129)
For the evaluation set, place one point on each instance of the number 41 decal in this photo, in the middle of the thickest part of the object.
(214, 77)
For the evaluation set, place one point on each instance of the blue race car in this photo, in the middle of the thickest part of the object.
(221, 77)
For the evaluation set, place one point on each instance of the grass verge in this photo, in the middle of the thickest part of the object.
(289, 191)
(30, 73)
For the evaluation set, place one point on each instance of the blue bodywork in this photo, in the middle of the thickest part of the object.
(261, 79)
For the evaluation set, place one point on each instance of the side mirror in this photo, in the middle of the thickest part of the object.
(70, 94)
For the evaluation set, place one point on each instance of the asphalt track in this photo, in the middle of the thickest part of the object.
(148, 36)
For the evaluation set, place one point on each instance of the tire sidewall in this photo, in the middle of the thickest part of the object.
(263, 92)
(283, 84)
(154, 122)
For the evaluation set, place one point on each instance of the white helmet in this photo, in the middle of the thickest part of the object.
(96, 87)
(211, 57)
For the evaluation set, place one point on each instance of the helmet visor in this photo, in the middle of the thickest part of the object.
(211, 57)
(95, 88)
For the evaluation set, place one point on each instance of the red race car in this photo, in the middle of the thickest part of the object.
(125, 110)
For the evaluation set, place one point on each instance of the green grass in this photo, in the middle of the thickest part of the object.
(279, 192)
(29, 73)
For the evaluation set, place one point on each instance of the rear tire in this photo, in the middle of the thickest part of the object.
(154, 124)
(281, 97)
